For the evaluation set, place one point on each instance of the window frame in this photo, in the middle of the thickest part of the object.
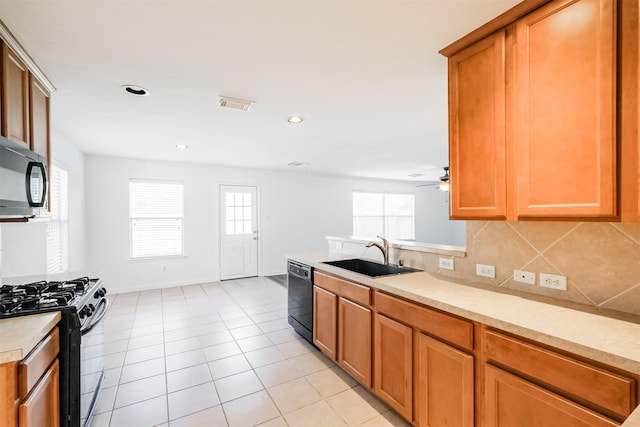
(64, 246)
(182, 239)
(384, 215)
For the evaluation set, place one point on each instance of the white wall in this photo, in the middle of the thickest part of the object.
(297, 210)
(24, 248)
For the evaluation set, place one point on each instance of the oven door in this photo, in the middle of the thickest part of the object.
(91, 360)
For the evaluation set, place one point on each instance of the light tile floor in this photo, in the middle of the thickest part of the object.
(220, 354)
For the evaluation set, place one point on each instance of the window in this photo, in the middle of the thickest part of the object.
(156, 218)
(238, 213)
(387, 215)
(58, 226)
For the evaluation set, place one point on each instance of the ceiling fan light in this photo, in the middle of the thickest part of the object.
(444, 186)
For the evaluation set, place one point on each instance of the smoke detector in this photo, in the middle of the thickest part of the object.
(235, 103)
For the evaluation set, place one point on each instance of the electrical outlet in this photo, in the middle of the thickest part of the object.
(524, 277)
(553, 281)
(445, 263)
(486, 270)
(339, 246)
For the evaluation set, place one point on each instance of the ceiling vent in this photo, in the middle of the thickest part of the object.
(235, 103)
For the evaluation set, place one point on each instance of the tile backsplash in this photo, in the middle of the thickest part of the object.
(600, 260)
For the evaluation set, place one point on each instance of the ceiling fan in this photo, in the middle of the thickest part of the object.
(442, 183)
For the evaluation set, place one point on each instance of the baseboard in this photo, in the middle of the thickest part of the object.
(277, 273)
(151, 286)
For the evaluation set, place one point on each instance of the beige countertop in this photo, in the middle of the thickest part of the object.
(603, 339)
(19, 335)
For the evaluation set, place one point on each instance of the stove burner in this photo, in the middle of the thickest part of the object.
(42, 295)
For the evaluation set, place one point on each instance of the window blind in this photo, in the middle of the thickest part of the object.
(58, 226)
(156, 218)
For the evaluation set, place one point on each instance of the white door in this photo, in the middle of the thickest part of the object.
(238, 232)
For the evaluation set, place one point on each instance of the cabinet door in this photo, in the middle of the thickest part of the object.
(477, 129)
(444, 385)
(565, 95)
(325, 317)
(393, 377)
(354, 340)
(15, 97)
(512, 401)
(9, 399)
(39, 112)
(41, 407)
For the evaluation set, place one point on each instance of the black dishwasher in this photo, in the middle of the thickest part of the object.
(300, 298)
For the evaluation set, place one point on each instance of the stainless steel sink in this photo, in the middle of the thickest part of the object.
(369, 268)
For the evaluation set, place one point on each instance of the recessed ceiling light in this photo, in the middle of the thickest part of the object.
(135, 90)
(295, 119)
(181, 146)
(296, 164)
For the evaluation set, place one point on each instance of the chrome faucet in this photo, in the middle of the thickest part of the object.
(384, 249)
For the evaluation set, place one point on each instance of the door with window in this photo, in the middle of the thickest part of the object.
(238, 232)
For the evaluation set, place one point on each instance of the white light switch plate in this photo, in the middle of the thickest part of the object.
(445, 263)
(485, 270)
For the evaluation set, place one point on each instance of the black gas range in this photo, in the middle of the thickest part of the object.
(82, 303)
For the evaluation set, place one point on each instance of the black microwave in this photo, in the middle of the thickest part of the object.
(23, 181)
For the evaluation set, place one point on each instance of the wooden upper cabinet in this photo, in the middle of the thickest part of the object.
(565, 98)
(39, 113)
(477, 130)
(533, 110)
(15, 97)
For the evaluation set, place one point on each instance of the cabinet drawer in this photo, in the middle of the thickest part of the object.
(512, 401)
(444, 326)
(585, 383)
(37, 362)
(42, 407)
(349, 290)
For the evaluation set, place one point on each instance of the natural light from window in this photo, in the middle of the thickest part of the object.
(156, 218)
(58, 225)
(238, 214)
(384, 214)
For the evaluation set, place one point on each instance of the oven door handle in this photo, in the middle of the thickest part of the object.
(104, 303)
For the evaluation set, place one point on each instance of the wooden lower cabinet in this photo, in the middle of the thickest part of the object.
(440, 370)
(42, 407)
(30, 388)
(354, 340)
(609, 392)
(513, 401)
(444, 384)
(325, 317)
(393, 372)
(9, 399)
